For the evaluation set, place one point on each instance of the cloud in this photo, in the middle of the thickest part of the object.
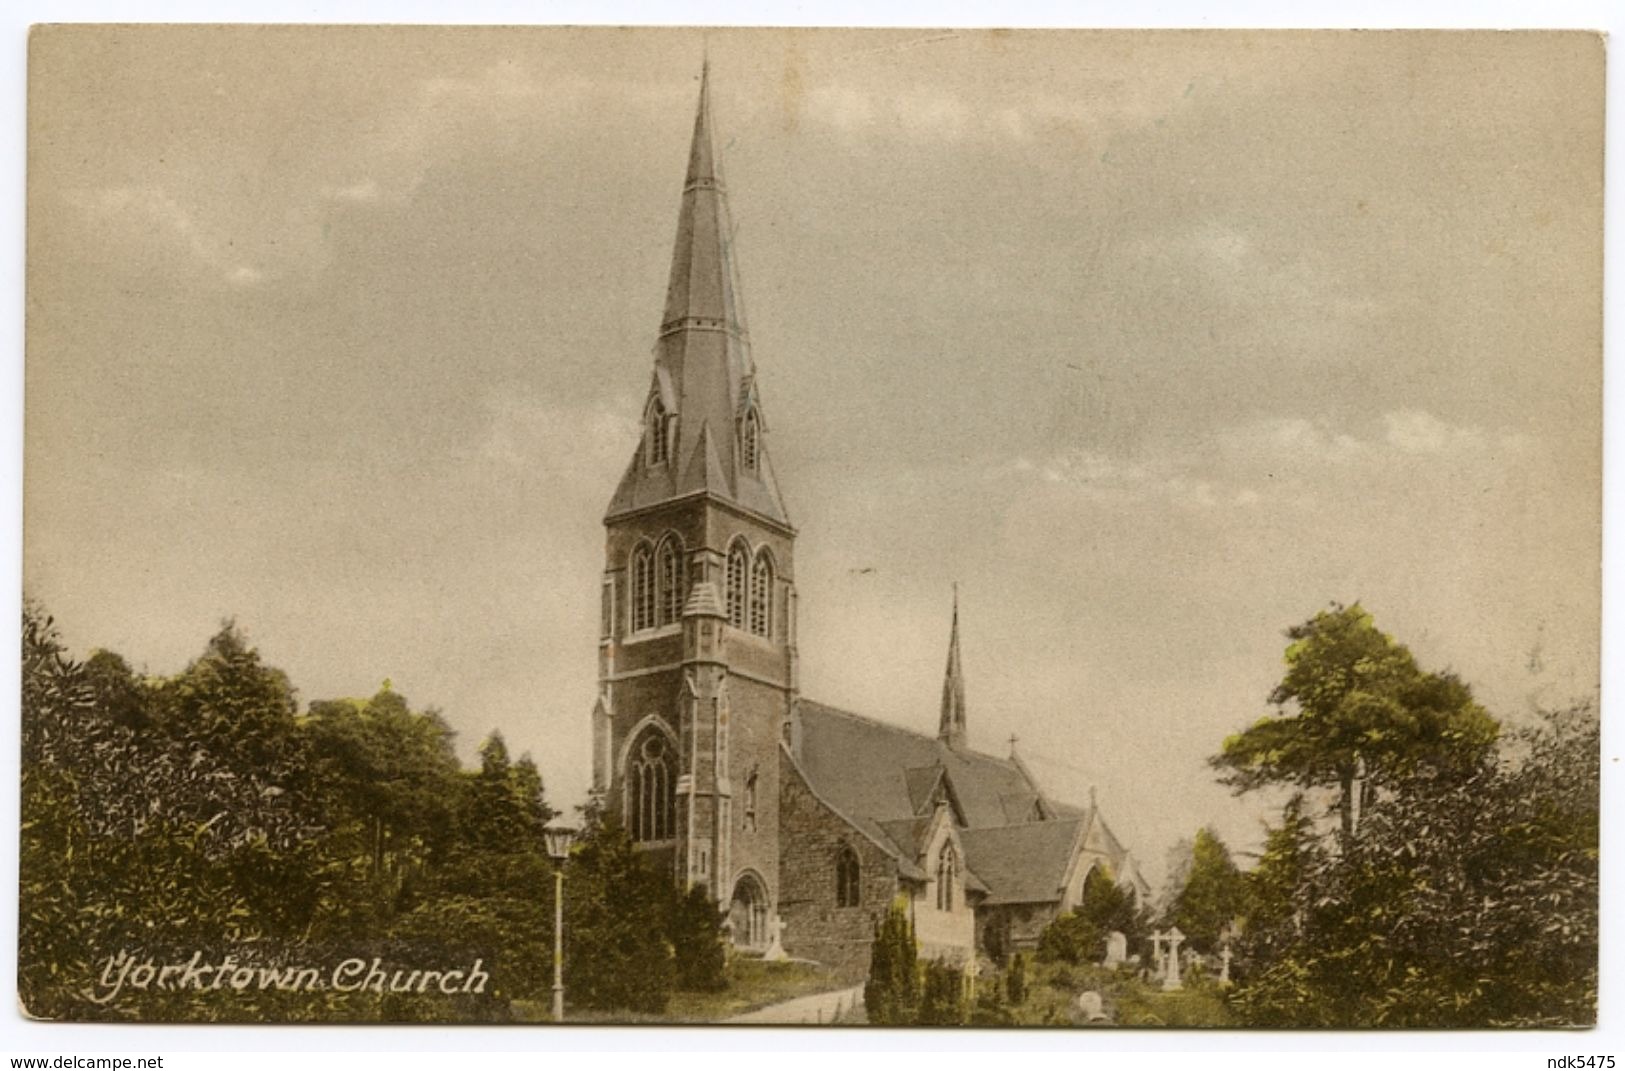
(148, 216)
(1275, 459)
(1416, 431)
(364, 192)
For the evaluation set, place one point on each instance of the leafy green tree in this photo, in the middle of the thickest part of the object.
(1213, 894)
(617, 952)
(1470, 900)
(1361, 712)
(1079, 936)
(695, 930)
(943, 997)
(1016, 979)
(891, 996)
(231, 704)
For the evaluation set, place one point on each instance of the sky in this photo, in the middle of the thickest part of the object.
(1156, 344)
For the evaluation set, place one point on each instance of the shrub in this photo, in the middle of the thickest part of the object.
(892, 993)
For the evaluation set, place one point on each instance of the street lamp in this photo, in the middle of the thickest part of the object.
(559, 840)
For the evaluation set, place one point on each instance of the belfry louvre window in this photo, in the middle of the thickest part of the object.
(848, 878)
(670, 569)
(651, 790)
(738, 577)
(655, 432)
(761, 596)
(751, 441)
(947, 873)
(643, 589)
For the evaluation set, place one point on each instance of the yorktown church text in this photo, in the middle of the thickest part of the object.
(124, 970)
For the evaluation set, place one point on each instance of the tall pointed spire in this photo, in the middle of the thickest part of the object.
(951, 730)
(704, 379)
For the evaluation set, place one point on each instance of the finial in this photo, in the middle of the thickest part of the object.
(1013, 739)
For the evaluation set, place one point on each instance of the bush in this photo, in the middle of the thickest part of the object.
(696, 938)
(943, 1001)
(892, 993)
(1016, 979)
(1071, 938)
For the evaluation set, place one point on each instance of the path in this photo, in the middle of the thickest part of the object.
(816, 1008)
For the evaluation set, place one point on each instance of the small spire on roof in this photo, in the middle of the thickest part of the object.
(1013, 739)
(951, 729)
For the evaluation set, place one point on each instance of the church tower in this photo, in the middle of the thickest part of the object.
(697, 646)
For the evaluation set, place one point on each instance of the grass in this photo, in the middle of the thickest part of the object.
(752, 984)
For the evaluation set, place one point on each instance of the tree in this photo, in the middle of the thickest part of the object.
(1212, 896)
(1363, 712)
(943, 1000)
(1016, 979)
(891, 996)
(695, 929)
(1079, 936)
(1470, 899)
(616, 916)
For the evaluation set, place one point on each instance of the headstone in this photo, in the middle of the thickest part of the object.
(1090, 1004)
(775, 949)
(1116, 948)
(1171, 980)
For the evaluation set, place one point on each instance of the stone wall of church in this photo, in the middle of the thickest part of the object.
(1018, 926)
(811, 836)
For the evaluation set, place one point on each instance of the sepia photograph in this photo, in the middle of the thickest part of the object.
(831, 528)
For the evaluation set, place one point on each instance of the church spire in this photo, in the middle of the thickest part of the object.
(703, 404)
(951, 730)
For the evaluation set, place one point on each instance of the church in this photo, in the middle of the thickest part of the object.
(806, 822)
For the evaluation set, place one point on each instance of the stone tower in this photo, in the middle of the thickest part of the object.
(697, 645)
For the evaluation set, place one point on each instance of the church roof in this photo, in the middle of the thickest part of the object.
(884, 779)
(862, 766)
(1026, 863)
(704, 373)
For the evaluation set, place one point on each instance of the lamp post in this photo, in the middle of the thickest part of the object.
(558, 849)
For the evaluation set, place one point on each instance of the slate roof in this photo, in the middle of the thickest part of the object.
(882, 778)
(1026, 863)
(861, 766)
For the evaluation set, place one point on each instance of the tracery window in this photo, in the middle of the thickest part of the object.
(848, 878)
(761, 595)
(669, 567)
(947, 873)
(738, 577)
(651, 790)
(643, 588)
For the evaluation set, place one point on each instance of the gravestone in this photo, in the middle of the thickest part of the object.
(1092, 1007)
(1116, 948)
(1171, 980)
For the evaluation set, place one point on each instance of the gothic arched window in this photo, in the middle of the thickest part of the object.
(750, 441)
(669, 576)
(738, 578)
(651, 795)
(761, 595)
(848, 878)
(643, 588)
(656, 432)
(947, 873)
